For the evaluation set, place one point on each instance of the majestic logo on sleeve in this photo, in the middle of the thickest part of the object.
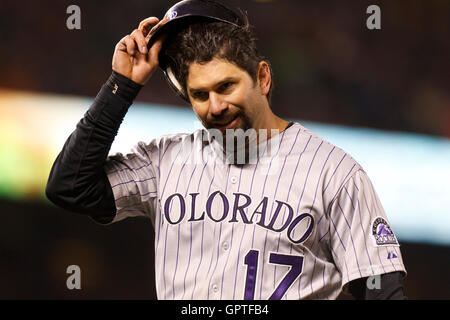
(382, 233)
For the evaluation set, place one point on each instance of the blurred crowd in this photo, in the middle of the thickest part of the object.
(328, 66)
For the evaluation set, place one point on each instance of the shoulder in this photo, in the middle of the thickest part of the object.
(157, 147)
(165, 142)
(179, 140)
(335, 157)
(335, 164)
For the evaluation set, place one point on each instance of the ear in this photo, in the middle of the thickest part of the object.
(264, 77)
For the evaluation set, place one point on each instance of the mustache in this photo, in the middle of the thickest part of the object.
(223, 121)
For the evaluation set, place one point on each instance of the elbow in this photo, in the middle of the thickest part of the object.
(56, 193)
(51, 192)
(93, 199)
(56, 185)
(59, 189)
(51, 188)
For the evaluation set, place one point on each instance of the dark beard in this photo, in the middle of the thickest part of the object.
(238, 144)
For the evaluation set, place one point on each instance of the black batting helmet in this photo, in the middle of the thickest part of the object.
(184, 13)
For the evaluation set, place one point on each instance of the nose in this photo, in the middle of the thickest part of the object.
(217, 106)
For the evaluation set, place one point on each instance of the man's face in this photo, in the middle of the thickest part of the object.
(224, 96)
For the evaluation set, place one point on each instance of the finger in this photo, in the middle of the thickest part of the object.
(139, 39)
(130, 44)
(156, 27)
(146, 24)
(121, 45)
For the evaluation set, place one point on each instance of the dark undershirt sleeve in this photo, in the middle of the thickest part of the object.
(390, 288)
(77, 180)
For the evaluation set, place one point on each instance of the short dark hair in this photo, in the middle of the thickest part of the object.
(202, 41)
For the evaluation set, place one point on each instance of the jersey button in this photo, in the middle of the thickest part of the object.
(234, 179)
(215, 288)
(225, 246)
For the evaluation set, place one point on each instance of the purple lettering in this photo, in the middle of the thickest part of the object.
(262, 212)
(239, 208)
(307, 232)
(225, 206)
(182, 209)
(275, 216)
(202, 217)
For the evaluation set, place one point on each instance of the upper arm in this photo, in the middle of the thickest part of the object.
(362, 242)
(133, 179)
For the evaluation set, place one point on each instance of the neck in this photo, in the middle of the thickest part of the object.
(272, 124)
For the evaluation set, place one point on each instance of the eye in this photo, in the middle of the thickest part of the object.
(200, 95)
(225, 87)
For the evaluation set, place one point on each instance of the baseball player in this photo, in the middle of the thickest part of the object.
(252, 206)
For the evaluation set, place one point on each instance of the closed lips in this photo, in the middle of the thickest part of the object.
(226, 123)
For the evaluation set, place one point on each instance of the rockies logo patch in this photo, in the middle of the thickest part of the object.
(382, 233)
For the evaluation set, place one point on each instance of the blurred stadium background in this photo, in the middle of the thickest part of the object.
(381, 95)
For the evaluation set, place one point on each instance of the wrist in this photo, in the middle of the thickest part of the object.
(123, 87)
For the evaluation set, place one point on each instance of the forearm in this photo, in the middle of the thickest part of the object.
(77, 181)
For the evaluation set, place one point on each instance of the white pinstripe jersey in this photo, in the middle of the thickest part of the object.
(300, 223)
